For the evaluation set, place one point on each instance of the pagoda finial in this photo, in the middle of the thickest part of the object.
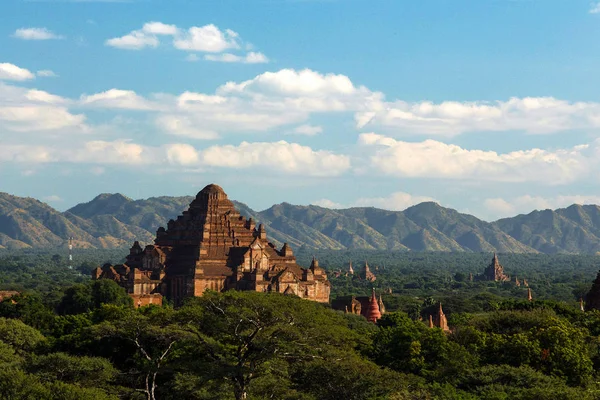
(529, 296)
(314, 263)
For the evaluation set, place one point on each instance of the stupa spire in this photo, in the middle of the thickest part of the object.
(373, 313)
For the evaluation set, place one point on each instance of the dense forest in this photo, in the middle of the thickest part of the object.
(67, 337)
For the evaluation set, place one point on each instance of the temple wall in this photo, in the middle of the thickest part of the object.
(142, 300)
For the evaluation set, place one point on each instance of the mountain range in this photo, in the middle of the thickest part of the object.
(114, 220)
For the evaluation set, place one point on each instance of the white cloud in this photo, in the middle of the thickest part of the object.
(35, 34)
(116, 98)
(192, 57)
(182, 154)
(534, 115)
(250, 58)
(13, 73)
(148, 36)
(46, 73)
(41, 96)
(28, 118)
(308, 130)
(32, 110)
(296, 83)
(255, 58)
(135, 40)
(207, 38)
(397, 201)
(52, 198)
(500, 207)
(182, 125)
(25, 154)
(277, 156)
(433, 159)
(326, 203)
(595, 8)
(270, 100)
(158, 28)
(223, 57)
(290, 97)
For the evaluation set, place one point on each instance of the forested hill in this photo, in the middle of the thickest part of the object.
(113, 220)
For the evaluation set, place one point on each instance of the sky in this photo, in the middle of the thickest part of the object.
(488, 107)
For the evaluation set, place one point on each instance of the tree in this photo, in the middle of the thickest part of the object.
(151, 334)
(86, 297)
(83, 371)
(19, 336)
(239, 334)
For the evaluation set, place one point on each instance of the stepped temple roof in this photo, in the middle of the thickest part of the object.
(211, 246)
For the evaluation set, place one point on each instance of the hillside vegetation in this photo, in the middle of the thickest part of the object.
(113, 221)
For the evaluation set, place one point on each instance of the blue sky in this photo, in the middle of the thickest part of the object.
(490, 107)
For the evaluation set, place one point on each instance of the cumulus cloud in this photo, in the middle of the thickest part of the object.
(148, 36)
(91, 152)
(158, 28)
(277, 156)
(11, 72)
(135, 40)
(289, 97)
(182, 125)
(250, 58)
(52, 198)
(46, 73)
(308, 130)
(35, 34)
(206, 39)
(295, 83)
(182, 154)
(534, 115)
(40, 96)
(116, 98)
(500, 207)
(326, 203)
(433, 159)
(270, 100)
(397, 201)
(32, 110)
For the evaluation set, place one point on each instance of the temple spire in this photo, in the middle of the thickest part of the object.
(529, 296)
(373, 313)
(381, 305)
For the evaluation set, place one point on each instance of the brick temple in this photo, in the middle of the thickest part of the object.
(495, 271)
(212, 247)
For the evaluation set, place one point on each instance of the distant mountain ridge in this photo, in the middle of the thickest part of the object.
(114, 220)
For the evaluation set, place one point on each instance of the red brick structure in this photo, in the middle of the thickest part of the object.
(7, 294)
(366, 273)
(373, 313)
(439, 320)
(212, 247)
(495, 271)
